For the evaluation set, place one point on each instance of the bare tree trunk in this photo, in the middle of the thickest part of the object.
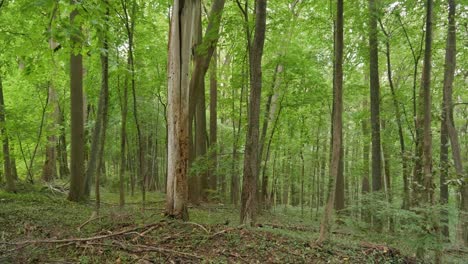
(123, 142)
(49, 169)
(448, 121)
(270, 116)
(251, 155)
(423, 168)
(213, 123)
(365, 215)
(77, 116)
(99, 128)
(204, 50)
(62, 147)
(180, 41)
(10, 181)
(337, 124)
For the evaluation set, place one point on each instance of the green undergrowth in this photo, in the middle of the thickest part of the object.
(37, 214)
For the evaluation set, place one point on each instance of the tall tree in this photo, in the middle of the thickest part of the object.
(251, 155)
(180, 41)
(396, 106)
(102, 105)
(374, 97)
(204, 50)
(77, 116)
(213, 122)
(448, 130)
(10, 181)
(337, 123)
(423, 175)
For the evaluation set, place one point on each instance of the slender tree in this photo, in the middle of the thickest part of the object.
(77, 116)
(251, 155)
(448, 130)
(10, 181)
(337, 123)
(374, 97)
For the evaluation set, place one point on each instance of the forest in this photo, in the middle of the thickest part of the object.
(234, 131)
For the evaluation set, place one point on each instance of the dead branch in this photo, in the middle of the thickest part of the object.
(93, 217)
(84, 239)
(196, 224)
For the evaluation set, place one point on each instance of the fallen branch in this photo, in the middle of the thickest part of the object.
(85, 239)
(93, 217)
(195, 224)
(144, 248)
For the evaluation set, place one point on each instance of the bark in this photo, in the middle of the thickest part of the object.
(77, 116)
(49, 169)
(64, 170)
(337, 124)
(365, 157)
(270, 114)
(236, 135)
(204, 50)
(99, 127)
(10, 181)
(123, 143)
(424, 189)
(444, 168)
(180, 41)
(251, 155)
(374, 97)
(448, 122)
(213, 123)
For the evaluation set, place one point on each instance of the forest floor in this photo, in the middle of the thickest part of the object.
(38, 225)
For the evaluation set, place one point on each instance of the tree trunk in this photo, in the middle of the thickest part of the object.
(123, 142)
(375, 97)
(204, 50)
(180, 41)
(423, 168)
(337, 124)
(62, 147)
(10, 181)
(213, 164)
(403, 155)
(49, 169)
(448, 121)
(99, 128)
(77, 116)
(365, 157)
(270, 115)
(251, 155)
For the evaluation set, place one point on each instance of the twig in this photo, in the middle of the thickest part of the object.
(85, 239)
(145, 248)
(142, 234)
(93, 217)
(202, 227)
(222, 232)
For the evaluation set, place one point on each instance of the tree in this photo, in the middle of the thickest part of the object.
(337, 119)
(99, 127)
(423, 174)
(448, 129)
(374, 97)
(6, 147)
(251, 155)
(77, 127)
(180, 40)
